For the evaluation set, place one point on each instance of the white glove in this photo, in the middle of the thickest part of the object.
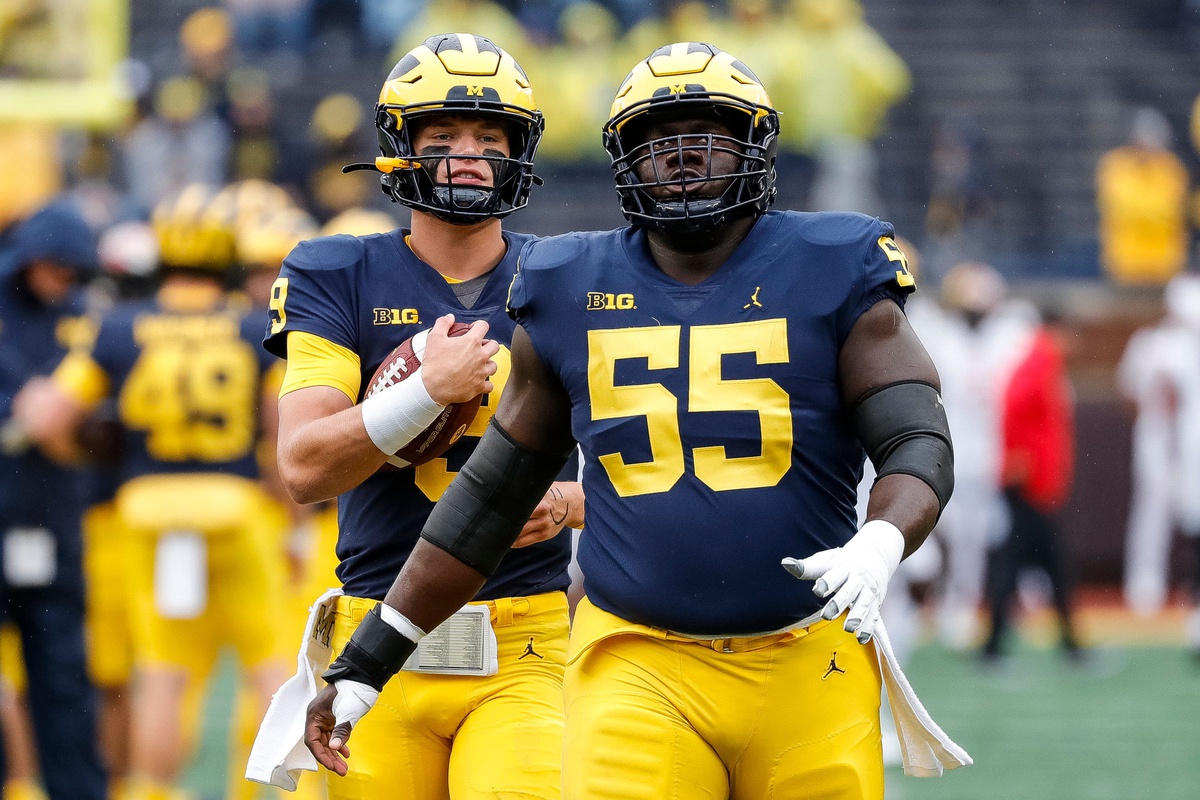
(858, 571)
(352, 703)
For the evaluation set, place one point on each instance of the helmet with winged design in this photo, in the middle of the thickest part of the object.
(456, 73)
(195, 229)
(692, 80)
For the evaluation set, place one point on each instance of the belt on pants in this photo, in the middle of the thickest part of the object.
(503, 611)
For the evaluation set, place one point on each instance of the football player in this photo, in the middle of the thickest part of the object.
(186, 373)
(722, 368)
(458, 128)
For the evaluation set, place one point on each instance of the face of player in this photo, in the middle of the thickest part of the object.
(464, 137)
(682, 153)
(50, 282)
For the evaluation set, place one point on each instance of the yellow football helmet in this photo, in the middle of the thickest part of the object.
(247, 203)
(457, 73)
(264, 246)
(194, 231)
(359, 222)
(691, 80)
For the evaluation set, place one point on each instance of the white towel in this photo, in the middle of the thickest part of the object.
(926, 748)
(279, 754)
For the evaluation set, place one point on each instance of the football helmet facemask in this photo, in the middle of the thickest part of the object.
(456, 73)
(692, 81)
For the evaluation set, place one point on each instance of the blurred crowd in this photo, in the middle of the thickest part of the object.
(214, 115)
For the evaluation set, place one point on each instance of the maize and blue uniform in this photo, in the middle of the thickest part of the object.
(186, 377)
(715, 443)
(109, 633)
(339, 308)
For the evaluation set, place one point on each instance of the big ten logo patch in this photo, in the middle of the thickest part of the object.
(601, 301)
(396, 316)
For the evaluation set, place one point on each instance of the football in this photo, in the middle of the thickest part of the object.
(450, 425)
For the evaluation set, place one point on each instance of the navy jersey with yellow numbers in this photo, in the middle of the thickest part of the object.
(368, 294)
(709, 417)
(187, 387)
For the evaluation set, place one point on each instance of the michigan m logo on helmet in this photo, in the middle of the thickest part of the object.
(692, 80)
(456, 73)
(196, 228)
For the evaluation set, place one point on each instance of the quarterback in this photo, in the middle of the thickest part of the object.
(723, 368)
(479, 715)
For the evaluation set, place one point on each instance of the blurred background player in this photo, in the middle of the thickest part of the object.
(1160, 373)
(1037, 415)
(976, 343)
(266, 225)
(458, 128)
(203, 572)
(42, 312)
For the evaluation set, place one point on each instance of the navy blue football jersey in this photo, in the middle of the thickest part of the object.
(709, 417)
(368, 294)
(188, 387)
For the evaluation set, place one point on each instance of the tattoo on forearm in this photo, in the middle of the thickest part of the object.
(557, 494)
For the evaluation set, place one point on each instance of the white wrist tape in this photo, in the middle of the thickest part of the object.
(885, 539)
(400, 622)
(398, 414)
(352, 702)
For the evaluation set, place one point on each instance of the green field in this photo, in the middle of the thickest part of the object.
(1125, 726)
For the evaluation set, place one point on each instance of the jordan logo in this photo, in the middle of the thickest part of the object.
(833, 667)
(753, 299)
(529, 651)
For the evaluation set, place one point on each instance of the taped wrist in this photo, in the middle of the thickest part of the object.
(487, 504)
(904, 430)
(373, 655)
(398, 414)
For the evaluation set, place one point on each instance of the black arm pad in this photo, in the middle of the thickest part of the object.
(483, 510)
(904, 430)
(373, 655)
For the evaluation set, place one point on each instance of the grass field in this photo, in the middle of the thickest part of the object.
(1123, 726)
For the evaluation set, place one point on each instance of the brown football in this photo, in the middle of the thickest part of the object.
(444, 431)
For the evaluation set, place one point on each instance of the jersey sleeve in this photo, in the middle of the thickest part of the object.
(885, 274)
(82, 379)
(313, 361)
(315, 293)
(535, 297)
(518, 290)
(86, 373)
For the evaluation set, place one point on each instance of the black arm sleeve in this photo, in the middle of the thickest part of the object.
(904, 430)
(486, 505)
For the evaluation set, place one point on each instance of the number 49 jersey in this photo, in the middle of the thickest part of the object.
(709, 416)
(187, 385)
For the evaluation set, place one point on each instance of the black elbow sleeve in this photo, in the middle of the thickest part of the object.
(904, 430)
(490, 500)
